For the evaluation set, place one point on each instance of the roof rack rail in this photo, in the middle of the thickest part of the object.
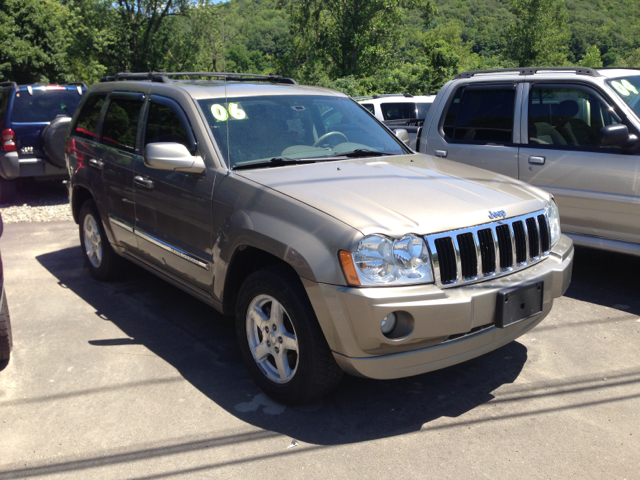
(161, 76)
(77, 84)
(8, 84)
(383, 95)
(592, 72)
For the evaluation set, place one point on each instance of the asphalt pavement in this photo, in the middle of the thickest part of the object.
(136, 379)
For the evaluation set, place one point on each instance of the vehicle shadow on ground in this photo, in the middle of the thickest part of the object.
(201, 345)
(606, 278)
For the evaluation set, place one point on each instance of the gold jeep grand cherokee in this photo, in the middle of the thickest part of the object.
(336, 247)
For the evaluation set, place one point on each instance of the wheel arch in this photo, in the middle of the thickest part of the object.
(246, 259)
(78, 197)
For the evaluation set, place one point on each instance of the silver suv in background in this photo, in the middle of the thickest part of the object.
(336, 248)
(571, 131)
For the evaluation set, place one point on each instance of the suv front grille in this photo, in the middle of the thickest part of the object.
(490, 250)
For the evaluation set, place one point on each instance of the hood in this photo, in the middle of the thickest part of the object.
(396, 195)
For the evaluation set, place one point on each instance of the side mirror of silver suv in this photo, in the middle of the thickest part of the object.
(172, 156)
(617, 136)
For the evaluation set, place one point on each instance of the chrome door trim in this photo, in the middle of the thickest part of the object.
(170, 248)
(121, 223)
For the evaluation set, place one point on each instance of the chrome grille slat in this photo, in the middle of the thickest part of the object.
(473, 254)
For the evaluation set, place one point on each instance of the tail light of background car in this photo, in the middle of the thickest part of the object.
(9, 140)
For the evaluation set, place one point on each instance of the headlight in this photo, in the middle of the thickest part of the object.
(554, 221)
(379, 260)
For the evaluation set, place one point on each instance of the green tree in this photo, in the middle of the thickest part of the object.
(591, 58)
(539, 36)
(34, 40)
(346, 37)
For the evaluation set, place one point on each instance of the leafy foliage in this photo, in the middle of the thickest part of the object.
(357, 46)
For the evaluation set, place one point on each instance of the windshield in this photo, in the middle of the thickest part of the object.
(254, 129)
(44, 105)
(628, 89)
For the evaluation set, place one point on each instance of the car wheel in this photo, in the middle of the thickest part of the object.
(7, 190)
(280, 338)
(6, 341)
(103, 262)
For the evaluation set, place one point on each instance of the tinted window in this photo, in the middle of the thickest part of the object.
(566, 116)
(398, 111)
(43, 105)
(5, 95)
(121, 124)
(88, 118)
(481, 115)
(164, 126)
(369, 107)
(423, 108)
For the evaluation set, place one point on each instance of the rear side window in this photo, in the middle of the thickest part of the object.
(398, 111)
(481, 115)
(43, 105)
(121, 124)
(5, 95)
(163, 125)
(423, 108)
(369, 107)
(88, 119)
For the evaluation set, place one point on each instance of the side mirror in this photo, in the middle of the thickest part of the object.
(403, 135)
(172, 156)
(615, 136)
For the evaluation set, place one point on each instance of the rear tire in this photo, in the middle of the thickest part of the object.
(292, 363)
(6, 341)
(8, 190)
(103, 262)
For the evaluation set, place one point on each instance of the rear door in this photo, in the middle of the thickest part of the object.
(34, 108)
(479, 126)
(118, 152)
(597, 188)
(173, 209)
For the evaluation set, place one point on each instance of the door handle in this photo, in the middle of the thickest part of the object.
(143, 182)
(533, 160)
(441, 153)
(94, 162)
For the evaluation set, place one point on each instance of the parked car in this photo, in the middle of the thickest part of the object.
(571, 131)
(6, 340)
(336, 247)
(396, 109)
(33, 122)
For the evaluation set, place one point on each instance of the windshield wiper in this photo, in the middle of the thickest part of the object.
(363, 152)
(275, 162)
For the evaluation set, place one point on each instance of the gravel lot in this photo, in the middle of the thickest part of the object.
(38, 202)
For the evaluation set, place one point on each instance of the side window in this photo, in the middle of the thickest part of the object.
(5, 96)
(369, 106)
(480, 115)
(121, 124)
(398, 111)
(566, 116)
(163, 125)
(85, 127)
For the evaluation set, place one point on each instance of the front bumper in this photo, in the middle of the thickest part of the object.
(350, 319)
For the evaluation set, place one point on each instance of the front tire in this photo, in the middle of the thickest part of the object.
(103, 262)
(280, 339)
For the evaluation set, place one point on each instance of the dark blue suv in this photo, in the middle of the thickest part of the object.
(33, 124)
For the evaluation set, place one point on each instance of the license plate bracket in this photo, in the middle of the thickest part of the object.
(519, 303)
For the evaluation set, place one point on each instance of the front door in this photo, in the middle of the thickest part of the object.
(173, 209)
(597, 188)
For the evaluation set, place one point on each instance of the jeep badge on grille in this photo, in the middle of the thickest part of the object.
(498, 214)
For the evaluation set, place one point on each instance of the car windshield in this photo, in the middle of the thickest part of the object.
(43, 105)
(628, 89)
(257, 129)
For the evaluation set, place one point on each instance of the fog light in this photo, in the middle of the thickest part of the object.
(388, 323)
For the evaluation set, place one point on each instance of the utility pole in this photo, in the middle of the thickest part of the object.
(224, 61)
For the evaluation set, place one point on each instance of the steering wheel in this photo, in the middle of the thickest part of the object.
(327, 135)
